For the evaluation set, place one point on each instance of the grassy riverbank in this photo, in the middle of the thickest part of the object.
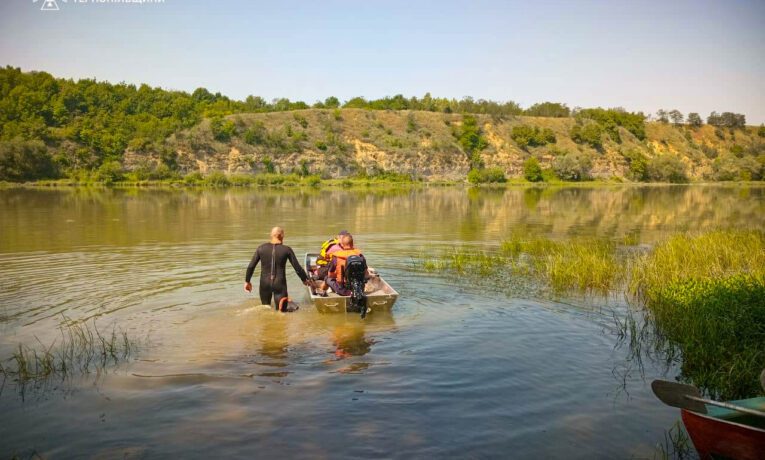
(221, 180)
(703, 293)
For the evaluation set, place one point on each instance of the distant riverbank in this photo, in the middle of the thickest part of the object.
(221, 180)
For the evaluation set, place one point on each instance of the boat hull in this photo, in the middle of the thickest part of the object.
(381, 299)
(715, 437)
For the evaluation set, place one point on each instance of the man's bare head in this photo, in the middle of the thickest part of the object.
(346, 241)
(277, 233)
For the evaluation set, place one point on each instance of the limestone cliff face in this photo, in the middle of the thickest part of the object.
(338, 143)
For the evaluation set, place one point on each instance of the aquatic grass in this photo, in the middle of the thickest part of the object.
(82, 348)
(701, 295)
(676, 445)
(719, 325)
(705, 294)
(686, 256)
(465, 261)
(584, 265)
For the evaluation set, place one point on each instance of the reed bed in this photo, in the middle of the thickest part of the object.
(82, 348)
(703, 294)
(585, 265)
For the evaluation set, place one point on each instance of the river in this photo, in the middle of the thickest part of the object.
(457, 369)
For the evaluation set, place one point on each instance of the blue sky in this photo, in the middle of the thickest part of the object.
(693, 56)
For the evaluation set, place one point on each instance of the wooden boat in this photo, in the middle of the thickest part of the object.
(726, 433)
(380, 295)
(719, 430)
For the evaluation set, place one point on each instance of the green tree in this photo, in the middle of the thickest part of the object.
(471, 139)
(222, 130)
(676, 116)
(25, 160)
(526, 136)
(548, 109)
(590, 133)
(531, 170)
(331, 102)
(694, 120)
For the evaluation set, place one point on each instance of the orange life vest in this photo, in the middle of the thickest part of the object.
(342, 258)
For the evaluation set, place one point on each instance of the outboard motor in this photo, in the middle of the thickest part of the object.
(355, 268)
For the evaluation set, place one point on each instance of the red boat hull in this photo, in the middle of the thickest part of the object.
(715, 438)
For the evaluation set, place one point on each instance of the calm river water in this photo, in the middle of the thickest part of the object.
(456, 370)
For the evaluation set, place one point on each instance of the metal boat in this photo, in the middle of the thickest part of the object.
(380, 295)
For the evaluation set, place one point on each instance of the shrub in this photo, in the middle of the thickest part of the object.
(268, 164)
(709, 151)
(256, 134)
(222, 130)
(470, 137)
(300, 119)
(532, 136)
(411, 123)
(611, 119)
(485, 176)
(573, 166)
(589, 133)
(667, 168)
(531, 170)
(217, 179)
(194, 178)
(313, 181)
(26, 160)
(109, 172)
(761, 131)
(731, 168)
(638, 165)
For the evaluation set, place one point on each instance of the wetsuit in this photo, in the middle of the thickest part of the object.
(273, 279)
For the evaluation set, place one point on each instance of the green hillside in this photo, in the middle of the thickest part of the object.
(56, 128)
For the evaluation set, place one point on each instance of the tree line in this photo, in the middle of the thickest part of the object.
(50, 124)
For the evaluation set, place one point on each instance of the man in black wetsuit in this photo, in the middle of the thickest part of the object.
(273, 280)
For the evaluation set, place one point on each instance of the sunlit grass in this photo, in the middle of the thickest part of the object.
(710, 255)
(586, 265)
(703, 294)
(706, 295)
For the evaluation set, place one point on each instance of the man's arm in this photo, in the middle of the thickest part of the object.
(296, 265)
(250, 271)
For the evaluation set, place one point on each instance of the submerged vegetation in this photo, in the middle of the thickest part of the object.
(82, 348)
(703, 294)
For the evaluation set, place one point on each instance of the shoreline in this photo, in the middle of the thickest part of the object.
(253, 182)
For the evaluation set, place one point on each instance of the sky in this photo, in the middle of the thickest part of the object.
(641, 55)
